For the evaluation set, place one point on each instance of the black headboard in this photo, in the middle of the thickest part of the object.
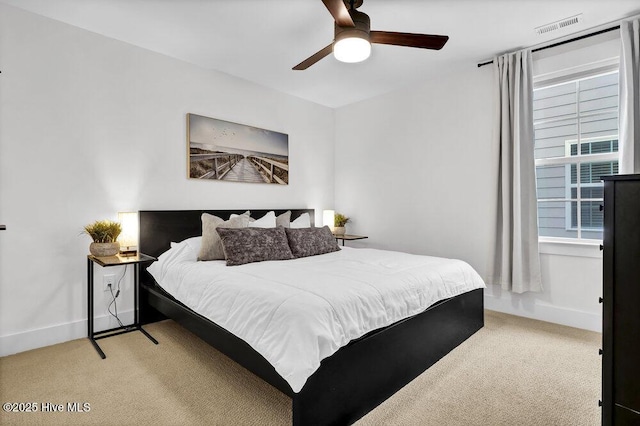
(158, 228)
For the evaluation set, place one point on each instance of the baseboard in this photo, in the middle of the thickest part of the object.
(33, 339)
(555, 314)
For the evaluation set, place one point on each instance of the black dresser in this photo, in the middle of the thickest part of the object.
(621, 301)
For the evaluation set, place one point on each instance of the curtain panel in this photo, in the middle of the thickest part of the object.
(630, 97)
(517, 260)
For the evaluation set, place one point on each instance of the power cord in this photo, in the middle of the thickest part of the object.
(115, 296)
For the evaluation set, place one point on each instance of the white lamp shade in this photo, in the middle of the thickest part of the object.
(128, 238)
(352, 49)
(328, 219)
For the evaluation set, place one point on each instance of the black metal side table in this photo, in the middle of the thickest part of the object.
(347, 237)
(107, 262)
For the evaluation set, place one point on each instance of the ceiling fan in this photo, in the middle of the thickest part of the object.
(353, 36)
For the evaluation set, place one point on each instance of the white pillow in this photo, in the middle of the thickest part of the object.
(193, 243)
(186, 250)
(266, 221)
(247, 213)
(303, 221)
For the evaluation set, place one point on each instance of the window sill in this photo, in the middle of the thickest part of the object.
(570, 247)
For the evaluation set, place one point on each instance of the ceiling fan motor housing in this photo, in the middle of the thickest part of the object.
(361, 30)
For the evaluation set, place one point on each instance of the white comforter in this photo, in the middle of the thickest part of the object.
(297, 312)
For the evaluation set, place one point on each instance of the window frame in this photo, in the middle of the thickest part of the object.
(603, 157)
(596, 70)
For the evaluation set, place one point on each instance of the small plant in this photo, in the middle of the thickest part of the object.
(103, 231)
(340, 220)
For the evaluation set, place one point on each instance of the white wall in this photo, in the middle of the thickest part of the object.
(90, 126)
(417, 172)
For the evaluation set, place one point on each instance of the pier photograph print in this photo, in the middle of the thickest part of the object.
(223, 150)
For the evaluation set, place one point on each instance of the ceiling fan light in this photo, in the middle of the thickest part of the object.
(352, 49)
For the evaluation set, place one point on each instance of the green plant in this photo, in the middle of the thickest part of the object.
(103, 231)
(340, 220)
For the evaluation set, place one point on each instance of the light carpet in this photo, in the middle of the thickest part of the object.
(515, 371)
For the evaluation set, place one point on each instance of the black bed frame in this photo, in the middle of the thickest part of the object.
(351, 382)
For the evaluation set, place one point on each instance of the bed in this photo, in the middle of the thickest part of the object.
(350, 382)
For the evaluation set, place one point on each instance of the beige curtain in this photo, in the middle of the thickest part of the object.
(630, 97)
(517, 261)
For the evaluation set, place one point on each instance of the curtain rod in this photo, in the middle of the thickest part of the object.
(560, 43)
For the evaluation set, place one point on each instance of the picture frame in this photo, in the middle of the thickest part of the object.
(233, 152)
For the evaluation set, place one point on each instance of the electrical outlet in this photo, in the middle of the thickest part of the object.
(109, 280)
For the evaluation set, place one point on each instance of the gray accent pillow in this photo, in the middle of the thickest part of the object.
(311, 241)
(248, 245)
(284, 219)
(211, 247)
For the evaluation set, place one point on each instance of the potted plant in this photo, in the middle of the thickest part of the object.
(104, 234)
(340, 221)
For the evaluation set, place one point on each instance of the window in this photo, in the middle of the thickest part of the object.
(576, 142)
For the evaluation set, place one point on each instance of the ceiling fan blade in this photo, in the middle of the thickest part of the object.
(424, 41)
(314, 58)
(339, 12)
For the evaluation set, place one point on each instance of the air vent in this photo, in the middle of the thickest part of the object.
(558, 25)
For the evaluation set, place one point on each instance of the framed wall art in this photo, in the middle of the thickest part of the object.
(222, 150)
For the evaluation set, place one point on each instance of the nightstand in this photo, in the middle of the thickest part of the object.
(347, 237)
(107, 262)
